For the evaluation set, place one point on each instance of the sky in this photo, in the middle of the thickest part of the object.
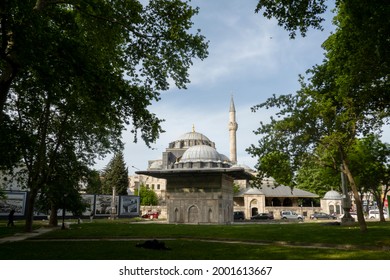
(250, 58)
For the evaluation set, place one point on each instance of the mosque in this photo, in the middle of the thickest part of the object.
(195, 182)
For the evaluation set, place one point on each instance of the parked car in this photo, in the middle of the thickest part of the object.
(291, 215)
(238, 215)
(322, 216)
(263, 216)
(150, 215)
(374, 214)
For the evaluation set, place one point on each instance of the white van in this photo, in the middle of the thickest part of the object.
(374, 214)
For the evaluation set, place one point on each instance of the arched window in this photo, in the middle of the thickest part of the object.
(331, 209)
(210, 216)
(193, 215)
(177, 215)
(338, 209)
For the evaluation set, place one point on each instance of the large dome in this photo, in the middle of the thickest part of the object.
(190, 139)
(200, 153)
(193, 136)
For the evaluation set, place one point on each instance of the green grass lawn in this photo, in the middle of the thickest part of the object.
(106, 239)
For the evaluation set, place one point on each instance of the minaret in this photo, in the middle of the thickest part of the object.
(232, 132)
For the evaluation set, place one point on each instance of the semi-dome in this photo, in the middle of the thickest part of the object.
(246, 167)
(331, 195)
(200, 153)
(224, 158)
(157, 164)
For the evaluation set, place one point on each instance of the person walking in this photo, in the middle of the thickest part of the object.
(11, 218)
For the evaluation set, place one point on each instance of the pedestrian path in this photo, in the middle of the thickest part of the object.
(25, 235)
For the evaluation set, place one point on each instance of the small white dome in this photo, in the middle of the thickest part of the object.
(200, 153)
(331, 195)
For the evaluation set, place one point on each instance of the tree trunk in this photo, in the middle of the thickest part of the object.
(53, 221)
(37, 172)
(378, 199)
(30, 210)
(358, 202)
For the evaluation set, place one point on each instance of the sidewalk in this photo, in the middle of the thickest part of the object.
(25, 235)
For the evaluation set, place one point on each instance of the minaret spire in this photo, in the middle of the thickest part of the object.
(233, 126)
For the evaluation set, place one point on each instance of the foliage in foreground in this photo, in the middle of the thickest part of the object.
(345, 97)
(73, 74)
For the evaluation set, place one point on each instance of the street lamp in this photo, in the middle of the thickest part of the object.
(113, 209)
(346, 201)
(63, 211)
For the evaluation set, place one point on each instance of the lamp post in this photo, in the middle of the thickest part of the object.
(346, 201)
(63, 211)
(113, 209)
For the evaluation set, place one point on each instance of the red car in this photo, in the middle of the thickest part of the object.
(150, 215)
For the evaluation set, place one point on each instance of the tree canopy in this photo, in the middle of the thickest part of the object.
(73, 74)
(294, 15)
(121, 52)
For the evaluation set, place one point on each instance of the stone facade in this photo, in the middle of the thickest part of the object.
(204, 199)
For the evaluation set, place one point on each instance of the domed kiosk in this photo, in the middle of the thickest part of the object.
(331, 202)
(199, 180)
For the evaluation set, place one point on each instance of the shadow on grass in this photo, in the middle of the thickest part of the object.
(184, 242)
(179, 250)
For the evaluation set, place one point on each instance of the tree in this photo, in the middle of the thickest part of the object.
(116, 176)
(62, 189)
(147, 196)
(93, 183)
(105, 64)
(369, 158)
(309, 123)
(344, 97)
